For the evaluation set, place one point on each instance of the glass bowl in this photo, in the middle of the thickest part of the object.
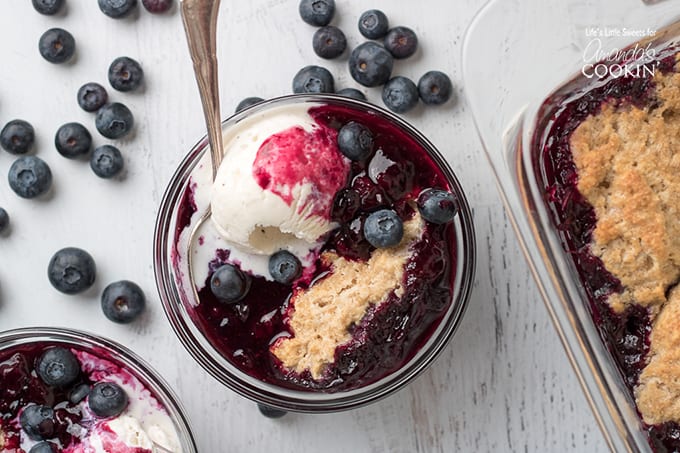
(538, 52)
(113, 352)
(178, 302)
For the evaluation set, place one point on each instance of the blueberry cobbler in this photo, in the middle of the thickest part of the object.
(609, 157)
(329, 258)
(56, 397)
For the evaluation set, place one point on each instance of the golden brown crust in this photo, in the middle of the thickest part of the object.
(323, 314)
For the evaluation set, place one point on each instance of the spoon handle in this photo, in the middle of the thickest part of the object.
(200, 25)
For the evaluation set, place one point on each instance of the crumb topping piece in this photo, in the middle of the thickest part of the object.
(322, 315)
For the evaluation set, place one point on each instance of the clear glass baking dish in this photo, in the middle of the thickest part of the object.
(515, 56)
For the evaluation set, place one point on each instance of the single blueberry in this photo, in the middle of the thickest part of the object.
(383, 228)
(247, 102)
(17, 137)
(78, 393)
(157, 6)
(123, 301)
(73, 140)
(229, 284)
(329, 42)
(44, 447)
(106, 161)
(117, 8)
(270, 412)
(437, 206)
(317, 12)
(57, 45)
(48, 7)
(370, 64)
(125, 74)
(373, 24)
(313, 79)
(114, 120)
(37, 421)
(29, 177)
(355, 141)
(58, 367)
(107, 399)
(92, 96)
(4, 220)
(400, 94)
(71, 270)
(434, 88)
(401, 42)
(352, 93)
(284, 267)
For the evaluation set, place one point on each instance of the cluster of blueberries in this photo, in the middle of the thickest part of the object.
(58, 367)
(72, 270)
(112, 8)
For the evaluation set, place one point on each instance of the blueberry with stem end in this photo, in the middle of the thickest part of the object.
(229, 284)
(437, 206)
(400, 94)
(58, 367)
(106, 161)
(373, 24)
(29, 177)
(329, 42)
(71, 270)
(73, 140)
(370, 64)
(317, 12)
(57, 45)
(123, 301)
(48, 7)
(117, 8)
(37, 421)
(114, 120)
(17, 137)
(401, 42)
(355, 141)
(92, 96)
(313, 79)
(284, 267)
(107, 399)
(383, 228)
(434, 88)
(125, 74)
(157, 6)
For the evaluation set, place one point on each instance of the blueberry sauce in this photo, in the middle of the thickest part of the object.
(390, 333)
(626, 335)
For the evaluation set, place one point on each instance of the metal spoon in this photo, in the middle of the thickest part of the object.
(200, 26)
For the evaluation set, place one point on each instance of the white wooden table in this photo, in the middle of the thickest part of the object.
(503, 384)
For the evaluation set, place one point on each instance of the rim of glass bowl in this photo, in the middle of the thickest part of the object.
(296, 400)
(141, 370)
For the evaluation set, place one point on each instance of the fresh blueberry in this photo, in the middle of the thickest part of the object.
(48, 7)
(29, 177)
(4, 220)
(229, 284)
(284, 267)
(57, 45)
(352, 93)
(329, 42)
(247, 102)
(73, 140)
(107, 399)
(355, 141)
(92, 96)
(313, 79)
(401, 42)
(114, 120)
(37, 421)
(317, 12)
(117, 8)
(58, 367)
(125, 74)
(123, 301)
(383, 228)
(106, 161)
(270, 412)
(78, 393)
(370, 64)
(71, 270)
(400, 94)
(44, 447)
(434, 88)
(17, 137)
(157, 6)
(437, 206)
(373, 24)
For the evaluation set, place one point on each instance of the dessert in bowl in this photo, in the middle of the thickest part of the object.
(69, 391)
(356, 318)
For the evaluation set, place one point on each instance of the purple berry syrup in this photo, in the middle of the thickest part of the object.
(389, 334)
(626, 335)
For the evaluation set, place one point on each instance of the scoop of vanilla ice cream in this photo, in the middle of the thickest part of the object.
(290, 215)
